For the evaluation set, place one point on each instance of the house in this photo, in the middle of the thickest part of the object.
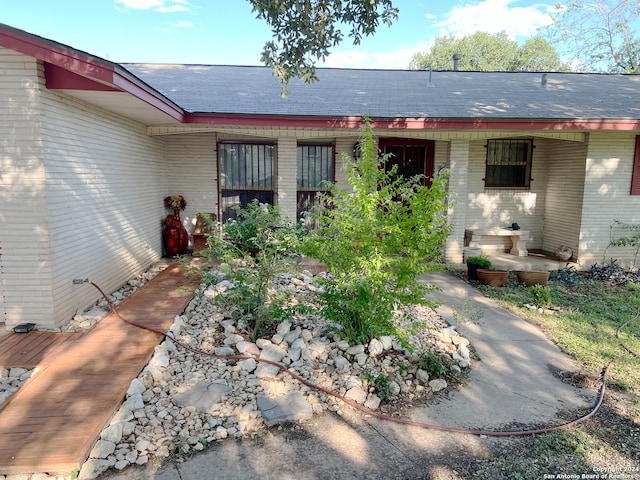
(90, 148)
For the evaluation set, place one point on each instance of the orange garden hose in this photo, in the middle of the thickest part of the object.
(487, 433)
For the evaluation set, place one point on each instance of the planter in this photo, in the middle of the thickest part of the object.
(532, 277)
(472, 270)
(493, 278)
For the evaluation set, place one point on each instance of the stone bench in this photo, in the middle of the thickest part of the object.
(519, 238)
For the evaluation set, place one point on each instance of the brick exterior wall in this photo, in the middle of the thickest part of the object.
(81, 197)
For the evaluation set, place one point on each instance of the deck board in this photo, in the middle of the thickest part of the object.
(27, 350)
(53, 421)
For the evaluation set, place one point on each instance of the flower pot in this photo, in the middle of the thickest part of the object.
(493, 278)
(532, 277)
(472, 270)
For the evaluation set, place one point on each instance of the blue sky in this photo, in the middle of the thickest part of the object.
(226, 32)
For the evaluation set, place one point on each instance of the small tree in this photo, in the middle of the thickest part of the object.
(257, 247)
(376, 240)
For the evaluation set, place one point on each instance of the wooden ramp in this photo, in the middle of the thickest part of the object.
(53, 421)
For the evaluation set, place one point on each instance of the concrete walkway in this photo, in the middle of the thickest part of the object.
(512, 386)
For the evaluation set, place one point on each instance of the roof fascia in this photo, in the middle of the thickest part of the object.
(97, 71)
(414, 123)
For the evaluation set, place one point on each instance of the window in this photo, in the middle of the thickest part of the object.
(315, 172)
(246, 172)
(635, 178)
(508, 163)
(413, 157)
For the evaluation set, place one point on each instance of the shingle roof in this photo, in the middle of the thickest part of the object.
(397, 93)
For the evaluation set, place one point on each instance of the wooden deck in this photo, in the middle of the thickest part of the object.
(53, 421)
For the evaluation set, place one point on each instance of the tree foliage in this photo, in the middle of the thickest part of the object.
(599, 34)
(487, 52)
(305, 30)
(376, 240)
(256, 247)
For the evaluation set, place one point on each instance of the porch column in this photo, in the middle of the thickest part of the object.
(287, 177)
(458, 194)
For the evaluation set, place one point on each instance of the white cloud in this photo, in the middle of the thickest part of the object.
(164, 6)
(398, 59)
(175, 26)
(495, 16)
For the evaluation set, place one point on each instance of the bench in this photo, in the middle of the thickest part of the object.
(519, 238)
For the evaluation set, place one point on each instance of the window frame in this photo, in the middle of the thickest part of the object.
(308, 192)
(429, 151)
(511, 163)
(253, 186)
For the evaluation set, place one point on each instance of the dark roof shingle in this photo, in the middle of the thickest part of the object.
(396, 93)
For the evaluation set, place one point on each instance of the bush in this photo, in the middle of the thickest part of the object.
(376, 240)
(540, 295)
(257, 247)
(482, 262)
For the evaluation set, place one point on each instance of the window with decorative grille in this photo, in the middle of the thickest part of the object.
(315, 173)
(508, 163)
(247, 172)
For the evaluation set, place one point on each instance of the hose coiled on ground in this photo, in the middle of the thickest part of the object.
(381, 416)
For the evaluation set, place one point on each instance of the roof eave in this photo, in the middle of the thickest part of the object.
(70, 63)
(413, 123)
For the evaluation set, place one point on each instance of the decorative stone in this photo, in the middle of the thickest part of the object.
(113, 433)
(102, 449)
(248, 365)
(136, 388)
(248, 348)
(438, 384)
(422, 376)
(375, 347)
(170, 403)
(92, 468)
(288, 408)
(357, 394)
(373, 402)
(203, 395)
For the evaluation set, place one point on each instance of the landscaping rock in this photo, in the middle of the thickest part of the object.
(438, 384)
(203, 396)
(184, 400)
(288, 408)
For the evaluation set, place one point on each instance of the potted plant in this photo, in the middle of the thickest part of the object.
(533, 277)
(474, 263)
(493, 278)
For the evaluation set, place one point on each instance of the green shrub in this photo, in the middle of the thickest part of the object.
(376, 240)
(482, 262)
(439, 365)
(541, 295)
(257, 246)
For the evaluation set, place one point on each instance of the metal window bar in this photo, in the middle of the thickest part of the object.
(315, 169)
(246, 173)
(508, 163)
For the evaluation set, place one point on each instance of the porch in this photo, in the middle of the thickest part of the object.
(533, 261)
